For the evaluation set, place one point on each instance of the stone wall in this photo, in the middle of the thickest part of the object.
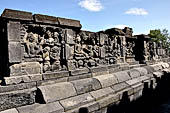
(49, 61)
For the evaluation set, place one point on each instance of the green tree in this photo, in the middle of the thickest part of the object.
(159, 36)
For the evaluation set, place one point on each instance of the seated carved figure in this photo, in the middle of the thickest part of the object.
(79, 53)
(33, 48)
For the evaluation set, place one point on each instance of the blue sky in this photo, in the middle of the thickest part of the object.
(96, 15)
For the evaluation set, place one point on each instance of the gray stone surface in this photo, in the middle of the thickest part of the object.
(133, 73)
(46, 19)
(107, 80)
(122, 76)
(76, 101)
(15, 55)
(142, 70)
(102, 93)
(92, 106)
(69, 22)
(15, 14)
(17, 98)
(133, 81)
(86, 85)
(101, 70)
(108, 100)
(51, 81)
(31, 68)
(79, 71)
(149, 69)
(24, 78)
(21, 86)
(54, 92)
(15, 70)
(158, 73)
(138, 87)
(54, 107)
(13, 31)
(114, 68)
(55, 75)
(13, 110)
(157, 67)
(120, 86)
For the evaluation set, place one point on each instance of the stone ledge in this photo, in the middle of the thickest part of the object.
(54, 107)
(13, 110)
(69, 22)
(102, 93)
(55, 92)
(86, 85)
(46, 19)
(122, 76)
(21, 86)
(21, 79)
(55, 75)
(77, 101)
(107, 80)
(16, 14)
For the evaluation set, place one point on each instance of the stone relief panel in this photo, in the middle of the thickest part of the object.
(42, 44)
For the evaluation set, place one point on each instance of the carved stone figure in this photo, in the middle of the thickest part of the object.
(33, 48)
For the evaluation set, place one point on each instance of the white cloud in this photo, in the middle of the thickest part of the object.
(91, 5)
(136, 11)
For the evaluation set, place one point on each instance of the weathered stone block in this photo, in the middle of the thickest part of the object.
(133, 81)
(138, 87)
(120, 86)
(149, 69)
(52, 81)
(31, 68)
(133, 73)
(14, 51)
(69, 36)
(55, 75)
(142, 71)
(15, 70)
(13, 29)
(102, 93)
(106, 80)
(13, 110)
(122, 76)
(32, 78)
(17, 98)
(21, 86)
(92, 106)
(86, 85)
(54, 107)
(102, 70)
(75, 102)
(114, 68)
(69, 52)
(79, 71)
(15, 14)
(58, 91)
(20, 79)
(108, 100)
(46, 19)
(157, 67)
(69, 22)
(158, 73)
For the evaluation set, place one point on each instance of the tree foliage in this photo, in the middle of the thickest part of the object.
(162, 37)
